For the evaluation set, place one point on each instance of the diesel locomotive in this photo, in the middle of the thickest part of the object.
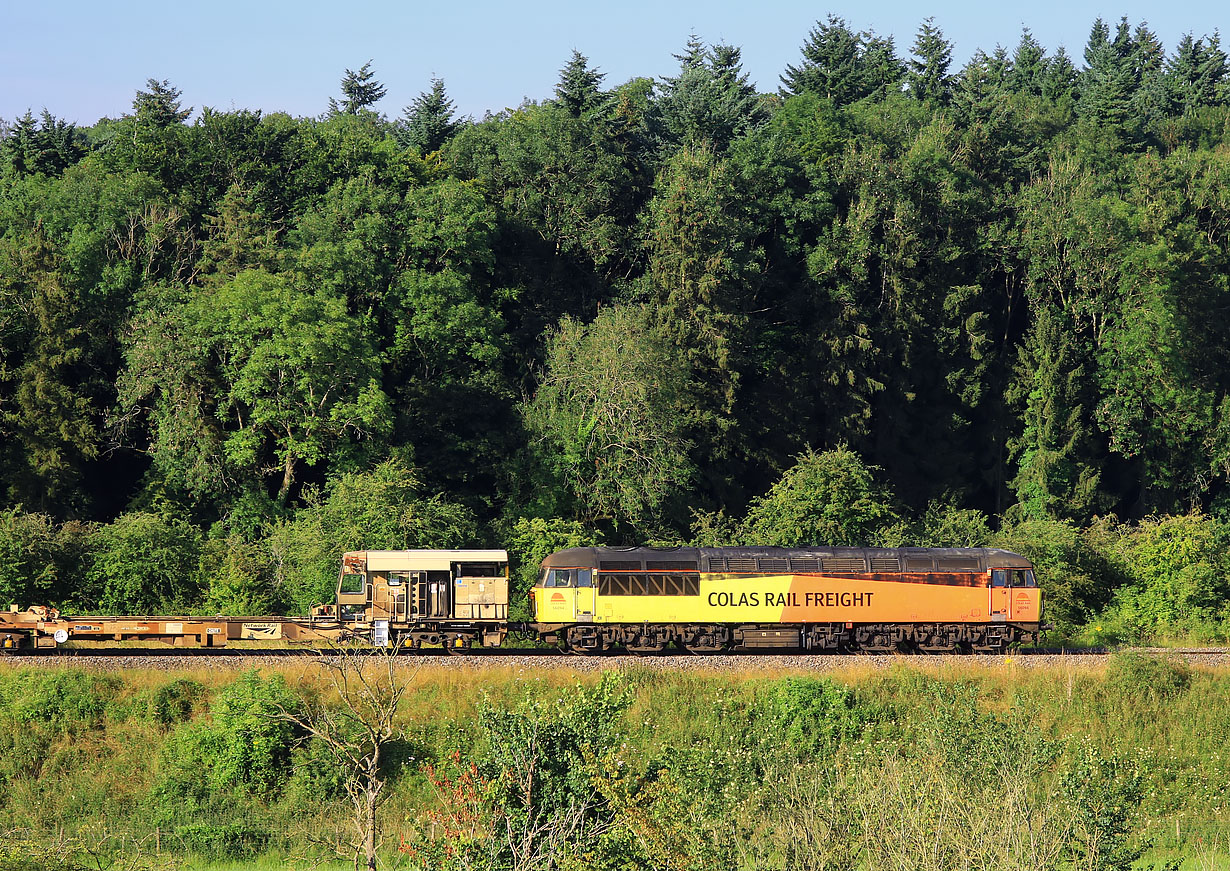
(874, 600)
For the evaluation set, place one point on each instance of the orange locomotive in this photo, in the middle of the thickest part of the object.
(823, 599)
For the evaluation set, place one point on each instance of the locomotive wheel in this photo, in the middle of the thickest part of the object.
(645, 645)
(575, 643)
(704, 645)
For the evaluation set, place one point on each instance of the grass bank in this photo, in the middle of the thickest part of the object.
(915, 766)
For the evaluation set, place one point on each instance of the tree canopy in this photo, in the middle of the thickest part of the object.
(892, 300)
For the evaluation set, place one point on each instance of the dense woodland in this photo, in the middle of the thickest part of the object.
(891, 302)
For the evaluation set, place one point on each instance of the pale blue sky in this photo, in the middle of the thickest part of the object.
(85, 60)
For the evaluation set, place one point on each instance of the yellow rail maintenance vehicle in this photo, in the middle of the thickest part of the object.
(454, 598)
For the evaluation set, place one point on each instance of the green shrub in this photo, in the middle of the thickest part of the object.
(809, 715)
(1141, 676)
(1177, 577)
(67, 700)
(380, 509)
(235, 840)
(175, 702)
(145, 563)
(245, 746)
(239, 577)
(1075, 576)
(828, 498)
(557, 740)
(40, 561)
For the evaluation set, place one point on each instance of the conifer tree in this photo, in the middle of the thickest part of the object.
(845, 66)
(928, 70)
(159, 107)
(359, 91)
(1029, 66)
(710, 100)
(578, 88)
(429, 121)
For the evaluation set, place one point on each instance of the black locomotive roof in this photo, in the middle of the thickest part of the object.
(649, 558)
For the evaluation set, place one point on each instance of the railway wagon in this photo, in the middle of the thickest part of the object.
(589, 599)
(455, 598)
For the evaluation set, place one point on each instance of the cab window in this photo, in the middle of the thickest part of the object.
(999, 578)
(585, 577)
(353, 583)
(562, 578)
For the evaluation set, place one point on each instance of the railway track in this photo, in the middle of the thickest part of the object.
(534, 658)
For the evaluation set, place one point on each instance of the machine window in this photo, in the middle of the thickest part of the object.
(353, 583)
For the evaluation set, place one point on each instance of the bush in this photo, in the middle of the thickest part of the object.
(244, 746)
(1075, 576)
(65, 700)
(828, 498)
(175, 702)
(236, 840)
(1141, 676)
(40, 562)
(146, 564)
(380, 509)
(1177, 577)
(812, 715)
(239, 576)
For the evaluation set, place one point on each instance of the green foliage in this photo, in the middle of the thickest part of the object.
(68, 700)
(843, 65)
(1138, 676)
(1176, 578)
(1104, 792)
(813, 716)
(175, 702)
(40, 561)
(559, 741)
(1072, 570)
(606, 412)
(143, 563)
(244, 747)
(239, 577)
(359, 91)
(828, 498)
(428, 122)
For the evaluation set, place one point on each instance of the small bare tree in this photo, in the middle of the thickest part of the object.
(355, 729)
